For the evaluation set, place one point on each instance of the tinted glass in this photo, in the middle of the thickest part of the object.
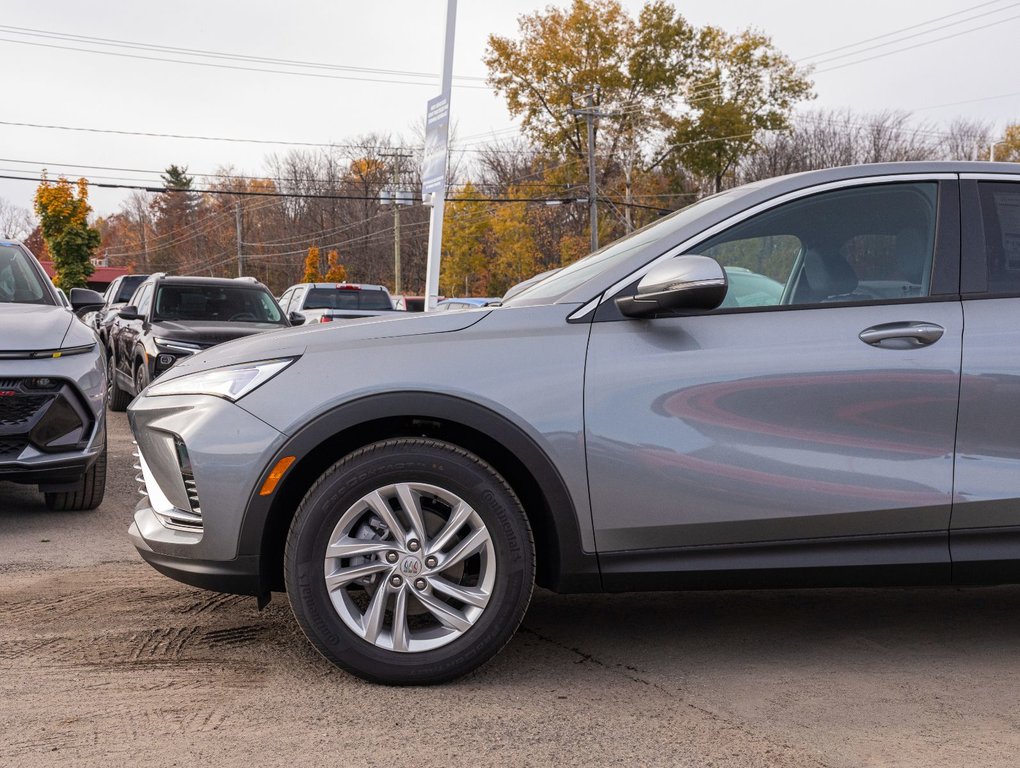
(347, 298)
(215, 303)
(20, 282)
(862, 244)
(127, 288)
(1000, 213)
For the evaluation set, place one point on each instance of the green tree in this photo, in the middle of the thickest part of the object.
(742, 86)
(63, 211)
(174, 212)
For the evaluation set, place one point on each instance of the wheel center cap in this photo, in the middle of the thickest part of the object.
(411, 566)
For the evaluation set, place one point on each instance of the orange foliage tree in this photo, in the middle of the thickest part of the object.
(312, 273)
(337, 273)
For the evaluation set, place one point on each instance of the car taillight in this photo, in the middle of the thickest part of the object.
(325, 319)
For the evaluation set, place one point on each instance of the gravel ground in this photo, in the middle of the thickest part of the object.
(105, 662)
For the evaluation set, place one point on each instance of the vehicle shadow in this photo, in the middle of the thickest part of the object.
(911, 628)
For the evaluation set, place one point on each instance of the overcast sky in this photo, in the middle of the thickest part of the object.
(973, 73)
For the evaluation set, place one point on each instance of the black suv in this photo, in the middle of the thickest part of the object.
(117, 295)
(173, 317)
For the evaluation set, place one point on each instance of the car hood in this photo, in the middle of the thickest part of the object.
(295, 341)
(208, 332)
(29, 327)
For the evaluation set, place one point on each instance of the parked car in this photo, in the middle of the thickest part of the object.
(452, 305)
(170, 318)
(616, 427)
(52, 387)
(326, 302)
(117, 295)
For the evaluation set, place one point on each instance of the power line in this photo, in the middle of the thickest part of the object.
(212, 65)
(906, 29)
(50, 34)
(917, 45)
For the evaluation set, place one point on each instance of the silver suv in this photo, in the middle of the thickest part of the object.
(52, 386)
(774, 387)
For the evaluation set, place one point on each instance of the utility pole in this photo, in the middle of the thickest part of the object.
(398, 198)
(240, 255)
(437, 138)
(590, 114)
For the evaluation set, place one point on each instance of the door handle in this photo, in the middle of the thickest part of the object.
(908, 335)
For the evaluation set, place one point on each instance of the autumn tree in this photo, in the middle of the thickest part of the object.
(312, 273)
(742, 86)
(514, 254)
(465, 264)
(1007, 149)
(63, 211)
(336, 273)
(637, 67)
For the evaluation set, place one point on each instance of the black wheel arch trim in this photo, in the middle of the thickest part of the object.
(574, 570)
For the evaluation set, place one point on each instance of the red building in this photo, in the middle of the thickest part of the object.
(99, 280)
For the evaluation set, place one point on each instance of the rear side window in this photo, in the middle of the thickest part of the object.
(1000, 217)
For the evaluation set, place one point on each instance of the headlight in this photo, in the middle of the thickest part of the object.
(232, 383)
(178, 346)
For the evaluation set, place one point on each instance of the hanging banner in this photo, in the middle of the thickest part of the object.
(437, 125)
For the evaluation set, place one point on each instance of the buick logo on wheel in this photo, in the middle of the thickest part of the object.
(411, 566)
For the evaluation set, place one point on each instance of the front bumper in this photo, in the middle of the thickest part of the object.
(239, 576)
(207, 454)
(33, 446)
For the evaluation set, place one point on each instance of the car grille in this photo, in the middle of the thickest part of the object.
(19, 409)
(11, 448)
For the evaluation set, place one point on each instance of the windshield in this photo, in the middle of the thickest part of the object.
(216, 303)
(347, 298)
(585, 269)
(20, 281)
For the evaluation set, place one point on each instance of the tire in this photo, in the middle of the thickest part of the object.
(117, 397)
(417, 565)
(141, 376)
(91, 494)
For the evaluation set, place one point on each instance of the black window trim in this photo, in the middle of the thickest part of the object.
(974, 256)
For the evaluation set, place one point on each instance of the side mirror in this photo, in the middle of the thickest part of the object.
(129, 313)
(83, 300)
(296, 318)
(686, 282)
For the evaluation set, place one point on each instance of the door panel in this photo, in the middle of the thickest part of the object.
(770, 426)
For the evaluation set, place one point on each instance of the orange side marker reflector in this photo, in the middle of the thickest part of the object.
(276, 475)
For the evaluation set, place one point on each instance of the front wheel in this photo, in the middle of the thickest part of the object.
(90, 496)
(410, 562)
